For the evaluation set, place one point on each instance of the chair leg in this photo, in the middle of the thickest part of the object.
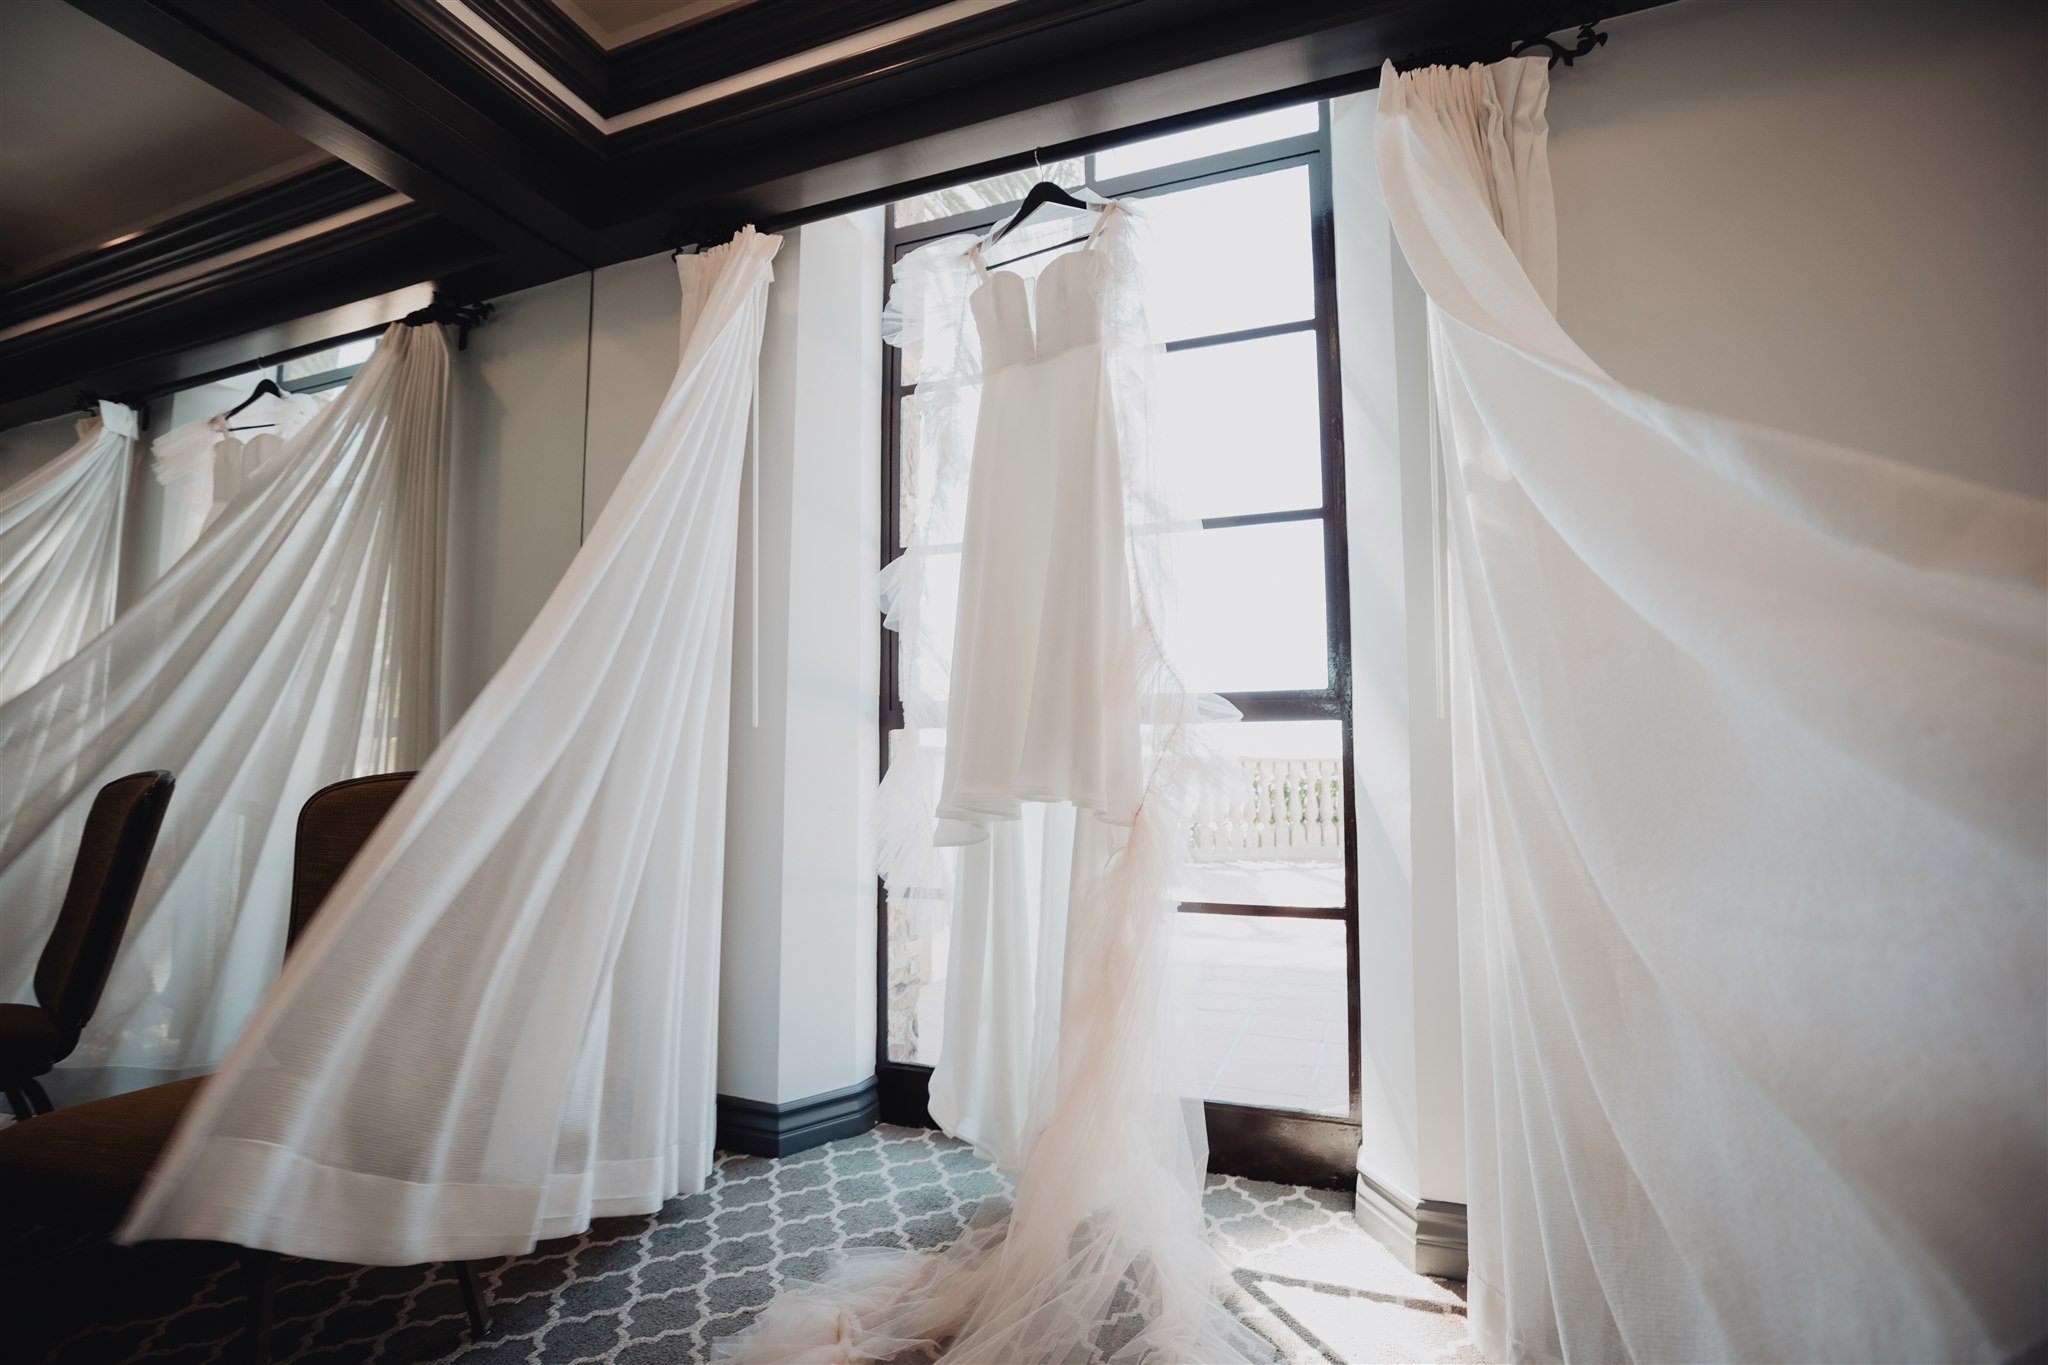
(17, 1100)
(38, 1098)
(259, 1269)
(473, 1300)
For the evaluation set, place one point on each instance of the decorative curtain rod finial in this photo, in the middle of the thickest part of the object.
(1588, 39)
(463, 317)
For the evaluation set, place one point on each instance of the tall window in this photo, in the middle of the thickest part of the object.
(1265, 962)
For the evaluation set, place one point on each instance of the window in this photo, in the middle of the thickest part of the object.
(1265, 960)
(322, 371)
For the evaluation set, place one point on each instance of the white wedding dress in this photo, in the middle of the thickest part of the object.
(1041, 705)
(204, 463)
(1026, 458)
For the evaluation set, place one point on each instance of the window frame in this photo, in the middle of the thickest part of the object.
(1292, 1145)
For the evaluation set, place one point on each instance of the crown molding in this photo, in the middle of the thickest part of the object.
(134, 343)
(616, 81)
(211, 231)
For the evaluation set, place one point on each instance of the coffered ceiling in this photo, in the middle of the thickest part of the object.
(485, 145)
(614, 23)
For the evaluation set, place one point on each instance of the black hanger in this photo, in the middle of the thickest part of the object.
(268, 388)
(1043, 193)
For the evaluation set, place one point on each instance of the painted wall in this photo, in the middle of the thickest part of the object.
(635, 342)
(23, 449)
(515, 501)
(1829, 218)
(1824, 217)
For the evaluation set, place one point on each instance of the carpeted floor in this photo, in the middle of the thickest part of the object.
(641, 1290)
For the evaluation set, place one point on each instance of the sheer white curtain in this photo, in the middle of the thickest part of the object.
(293, 646)
(502, 1023)
(60, 550)
(1750, 766)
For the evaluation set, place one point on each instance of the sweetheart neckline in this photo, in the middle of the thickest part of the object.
(990, 274)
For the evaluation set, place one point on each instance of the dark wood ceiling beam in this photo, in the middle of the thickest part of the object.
(347, 77)
(946, 104)
(1028, 54)
(744, 38)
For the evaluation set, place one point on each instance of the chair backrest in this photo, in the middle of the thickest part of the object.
(113, 852)
(334, 824)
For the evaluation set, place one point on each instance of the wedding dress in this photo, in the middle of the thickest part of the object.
(1026, 459)
(1044, 616)
(203, 464)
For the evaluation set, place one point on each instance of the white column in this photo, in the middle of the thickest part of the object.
(1411, 1157)
(797, 990)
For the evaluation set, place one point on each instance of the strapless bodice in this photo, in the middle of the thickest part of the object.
(1017, 328)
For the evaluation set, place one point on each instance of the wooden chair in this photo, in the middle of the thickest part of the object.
(79, 1168)
(113, 852)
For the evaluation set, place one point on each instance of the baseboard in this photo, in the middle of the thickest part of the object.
(1426, 1235)
(906, 1094)
(758, 1128)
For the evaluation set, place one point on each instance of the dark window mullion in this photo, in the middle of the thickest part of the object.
(1263, 518)
(1272, 329)
(1328, 912)
(1325, 703)
(1217, 169)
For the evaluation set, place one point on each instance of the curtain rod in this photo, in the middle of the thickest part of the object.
(694, 236)
(1585, 41)
(464, 317)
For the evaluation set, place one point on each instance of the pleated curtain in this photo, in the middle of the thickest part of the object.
(1752, 797)
(293, 646)
(60, 550)
(501, 1024)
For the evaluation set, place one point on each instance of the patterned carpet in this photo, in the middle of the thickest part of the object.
(641, 1290)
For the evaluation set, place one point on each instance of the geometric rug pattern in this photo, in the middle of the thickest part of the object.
(661, 1289)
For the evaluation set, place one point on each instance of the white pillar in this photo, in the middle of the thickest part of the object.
(1411, 1157)
(797, 987)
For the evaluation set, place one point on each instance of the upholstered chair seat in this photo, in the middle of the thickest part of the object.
(77, 1169)
(84, 1163)
(113, 854)
(32, 1041)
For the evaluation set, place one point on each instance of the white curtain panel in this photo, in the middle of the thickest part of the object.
(1750, 767)
(502, 1023)
(60, 550)
(293, 646)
